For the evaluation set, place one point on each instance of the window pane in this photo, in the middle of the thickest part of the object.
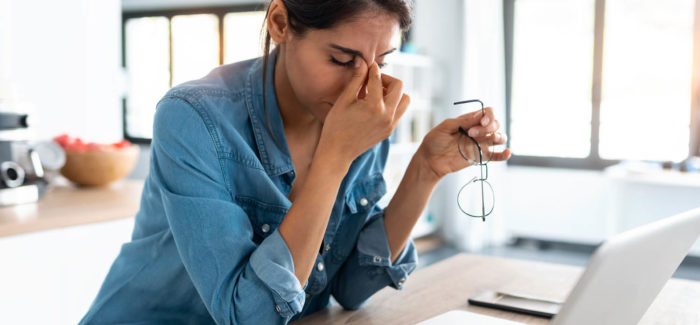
(147, 64)
(645, 105)
(242, 35)
(552, 73)
(195, 46)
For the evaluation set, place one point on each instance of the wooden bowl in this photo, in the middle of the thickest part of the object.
(99, 167)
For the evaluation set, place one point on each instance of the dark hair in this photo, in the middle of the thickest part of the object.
(303, 15)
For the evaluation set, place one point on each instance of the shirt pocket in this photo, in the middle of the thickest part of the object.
(264, 217)
(365, 194)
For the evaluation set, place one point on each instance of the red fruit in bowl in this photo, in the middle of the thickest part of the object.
(93, 146)
(121, 144)
(76, 145)
(69, 143)
(63, 140)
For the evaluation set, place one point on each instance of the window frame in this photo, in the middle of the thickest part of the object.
(593, 161)
(219, 11)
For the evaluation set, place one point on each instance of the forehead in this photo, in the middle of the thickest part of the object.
(368, 33)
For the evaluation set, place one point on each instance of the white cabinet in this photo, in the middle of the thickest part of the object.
(51, 277)
(640, 198)
(579, 206)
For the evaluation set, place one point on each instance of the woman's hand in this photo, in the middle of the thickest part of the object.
(354, 124)
(439, 152)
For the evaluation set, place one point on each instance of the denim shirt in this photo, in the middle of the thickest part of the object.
(206, 246)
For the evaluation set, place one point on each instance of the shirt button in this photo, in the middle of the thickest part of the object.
(320, 266)
(278, 308)
(402, 281)
(377, 259)
(363, 202)
(308, 295)
(265, 228)
(328, 247)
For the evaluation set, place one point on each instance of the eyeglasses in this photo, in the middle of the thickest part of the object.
(478, 153)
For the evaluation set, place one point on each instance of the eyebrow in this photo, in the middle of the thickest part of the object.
(356, 52)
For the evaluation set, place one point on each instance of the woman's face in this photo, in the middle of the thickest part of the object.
(320, 64)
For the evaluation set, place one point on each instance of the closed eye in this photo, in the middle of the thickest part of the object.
(344, 64)
(351, 63)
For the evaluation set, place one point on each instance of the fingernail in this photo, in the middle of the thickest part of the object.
(485, 121)
(473, 132)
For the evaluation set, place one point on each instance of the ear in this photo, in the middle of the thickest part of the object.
(277, 22)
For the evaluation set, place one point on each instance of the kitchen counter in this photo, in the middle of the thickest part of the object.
(66, 205)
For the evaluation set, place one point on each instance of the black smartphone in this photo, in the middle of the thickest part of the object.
(517, 303)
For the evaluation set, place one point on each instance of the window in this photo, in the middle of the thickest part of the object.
(165, 48)
(647, 66)
(148, 61)
(239, 29)
(591, 82)
(195, 46)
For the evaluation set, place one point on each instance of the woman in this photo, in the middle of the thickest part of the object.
(260, 201)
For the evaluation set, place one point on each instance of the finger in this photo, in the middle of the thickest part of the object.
(465, 121)
(363, 92)
(486, 123)
(501, 156)
(493, 126)
(374, 84)
(479, 131)
(487, 116)
(401, 108)
(359, 74)
(394, 88)
(498, 138)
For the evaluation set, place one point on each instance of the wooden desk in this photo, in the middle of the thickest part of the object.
(447, 285)
(66, 205)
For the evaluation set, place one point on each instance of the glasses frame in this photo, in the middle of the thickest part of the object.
(483, 168)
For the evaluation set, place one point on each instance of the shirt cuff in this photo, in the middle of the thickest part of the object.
(273, 264)
(373, 249)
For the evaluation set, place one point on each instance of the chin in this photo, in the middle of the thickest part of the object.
(320, 112)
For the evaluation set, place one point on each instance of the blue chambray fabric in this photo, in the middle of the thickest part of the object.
(206, 247)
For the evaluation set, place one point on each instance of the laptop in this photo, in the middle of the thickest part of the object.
(622, 279)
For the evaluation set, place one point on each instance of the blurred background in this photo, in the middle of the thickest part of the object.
(600, 99)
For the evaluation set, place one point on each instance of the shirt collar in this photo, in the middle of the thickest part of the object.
(267, 122)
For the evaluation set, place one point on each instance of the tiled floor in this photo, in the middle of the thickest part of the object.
(550, 252)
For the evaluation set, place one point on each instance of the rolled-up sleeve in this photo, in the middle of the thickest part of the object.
(238, 281)
(369, 267)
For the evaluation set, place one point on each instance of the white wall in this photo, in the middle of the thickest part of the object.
(64, 60)
(5, 39)
(464, 38)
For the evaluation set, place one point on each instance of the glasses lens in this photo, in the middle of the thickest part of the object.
(476, 198)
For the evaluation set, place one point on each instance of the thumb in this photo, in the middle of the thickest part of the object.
(359, 76)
